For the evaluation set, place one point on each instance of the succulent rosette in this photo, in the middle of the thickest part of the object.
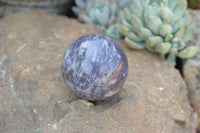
(101, 13)
(161, 26)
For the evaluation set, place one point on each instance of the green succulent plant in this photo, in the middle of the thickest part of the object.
(161, 26)
(101, 13)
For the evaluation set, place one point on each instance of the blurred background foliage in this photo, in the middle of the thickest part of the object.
(195, 4)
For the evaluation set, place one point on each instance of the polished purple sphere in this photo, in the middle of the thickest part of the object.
(94, 67)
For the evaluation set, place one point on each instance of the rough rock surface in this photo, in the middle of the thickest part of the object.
(34, 97)
(191, 69)
(8, 7)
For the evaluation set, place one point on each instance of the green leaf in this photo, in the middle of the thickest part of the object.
(152, 42)
(113, 32)
(125, 31)
(180, 33)
(122, 15)
(173, 51)
(81, 4)
(180, 9)
(188, 52)
(127, 12)
(104, 15)
(144, 33)
(112, 20)
(172, 59)
(150, 49)
(163, 48)
(144, 3)
(187, 18)
(154, 23)
(165, 29)
(189, 33)
(180, 45)
(172, 4)
(135, 21)
(85, 18)
(92, 15)
(134, 45)
(136, 8)
(128, 25)
(166, 14)
(177, 24)
(151, 10)
(168, 38)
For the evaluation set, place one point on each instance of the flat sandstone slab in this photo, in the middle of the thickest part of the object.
(34, 97)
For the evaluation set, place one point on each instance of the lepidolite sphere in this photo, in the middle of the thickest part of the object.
(94, 67)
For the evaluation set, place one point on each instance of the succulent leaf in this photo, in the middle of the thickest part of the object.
(180, 45)
(150, 49)
(136, 22)
(172, 4)
(180, 33)
(180, 9)
(137, 5)
(173, 51)
(136, 8)
(165, 30)
(172, 59)
(188, 52)
(121, 3)
(156, 1)
(151, 10)
(189, 33)
(126, 24)
(144, 3)
(134, 45)
(166, 14)
(92, 15)
(153, 23)
(187, 19)
(113, 32)
(163, 48)
(152, 42)
(81, 3)
(168, 38)
(144, 33)
(127, 12)
(165, 2)
(85, 19)
(111, 21)
(130, 34)
(177, 24)
(122, 15)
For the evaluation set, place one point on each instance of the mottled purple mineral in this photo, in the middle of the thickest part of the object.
(94, 67)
